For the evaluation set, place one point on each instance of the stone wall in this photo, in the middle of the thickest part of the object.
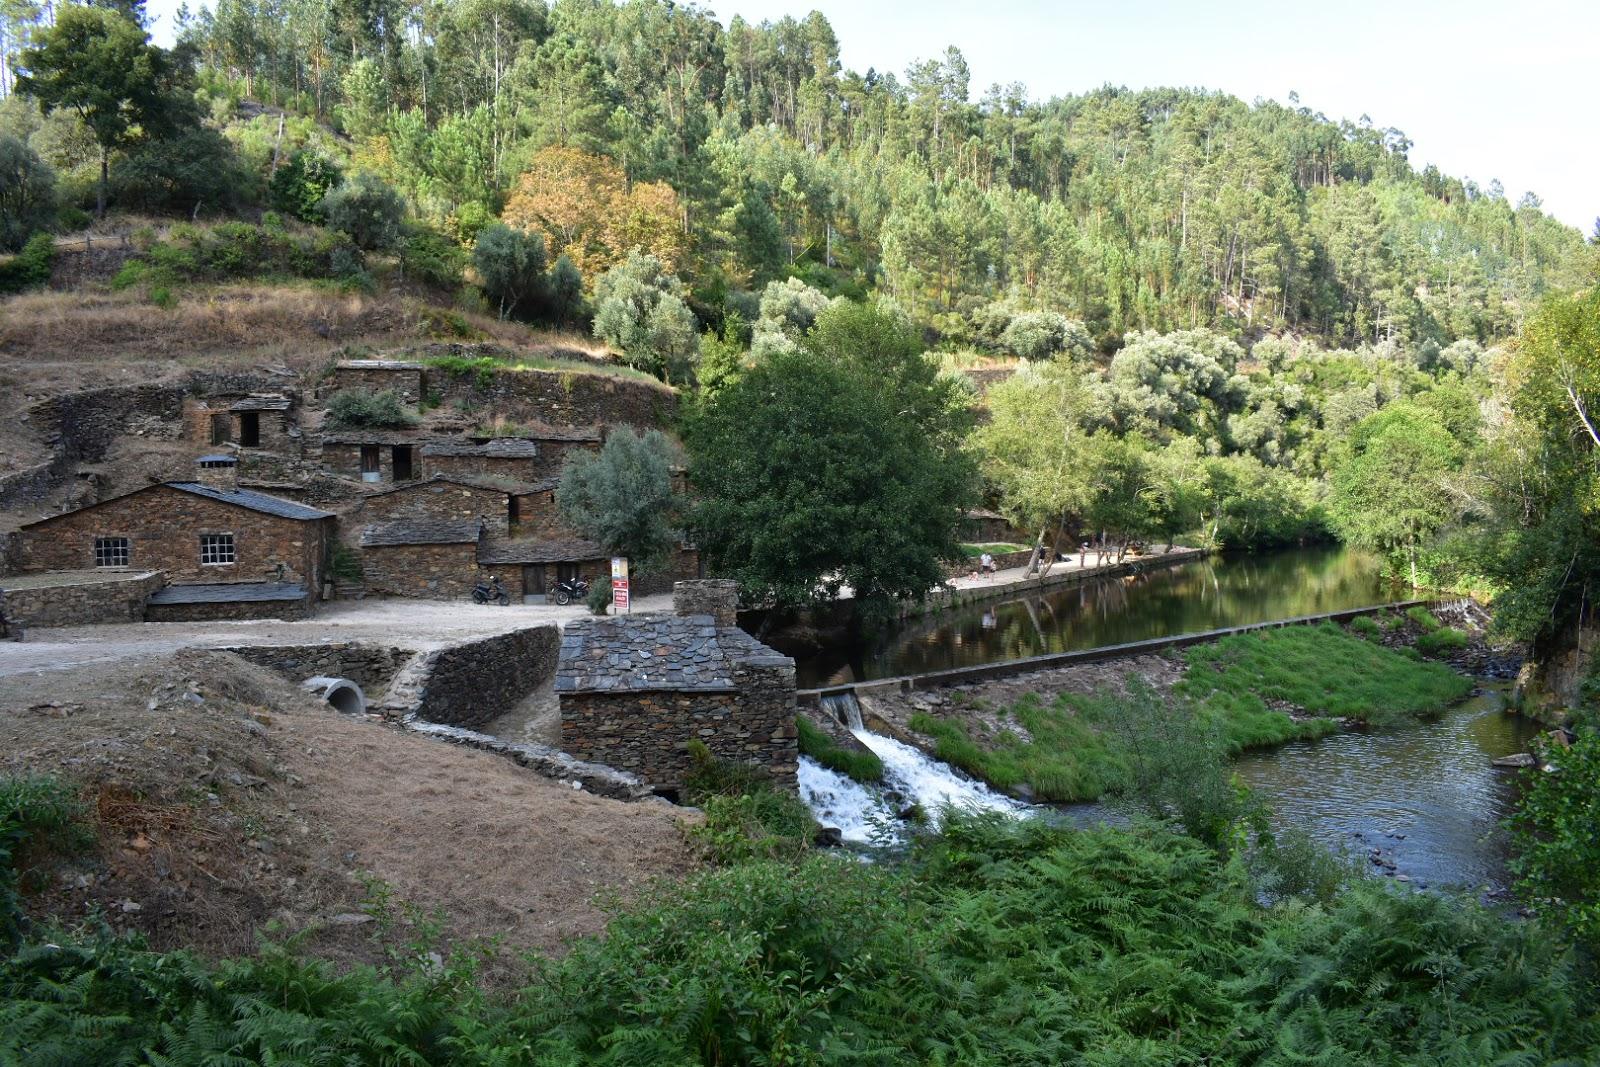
(560, 398)
(436, 572)
(86, 602)
(163, 527)
(229, 612)
(375, 376)
(440, 500)
(717, 597)
(475, 683)
(344, 458)
(648, 734)
(369, 666)
(538, 516)
(515, 469)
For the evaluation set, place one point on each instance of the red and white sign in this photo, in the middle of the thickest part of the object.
(619, 584)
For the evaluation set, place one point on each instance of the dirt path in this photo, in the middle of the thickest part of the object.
(226, 799)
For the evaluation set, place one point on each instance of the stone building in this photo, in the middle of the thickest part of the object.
(430, 558)
(375, 456)
(530, 567)
(636, 689)
(513, 458)
(460, 499)
(262, 421)
(556, 443)
(192, 532)
(408, 380)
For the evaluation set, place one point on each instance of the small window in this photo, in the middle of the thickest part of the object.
(216, 549)
(111, 552)
(250, 429)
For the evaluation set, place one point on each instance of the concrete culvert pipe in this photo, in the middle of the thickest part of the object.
(341, 693)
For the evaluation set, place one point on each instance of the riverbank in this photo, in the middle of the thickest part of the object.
(1052, 734)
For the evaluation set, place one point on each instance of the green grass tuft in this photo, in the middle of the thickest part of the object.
(863, 766)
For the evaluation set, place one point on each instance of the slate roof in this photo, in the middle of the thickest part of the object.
(571, 550)
(499, 448)
(643, 653)
(228, 593)
(498, 485)
(261, 403)
(422, 532)
(374, 437)
(249, 498)
(559, 433)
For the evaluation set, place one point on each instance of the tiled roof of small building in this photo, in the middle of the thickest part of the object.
(249, 498)
(228, 593)
(422, 532)
(374, 437)
(499, 448)
(640, 653)
(571, 550)
(560, 433)
(261, 403)
(496, 485)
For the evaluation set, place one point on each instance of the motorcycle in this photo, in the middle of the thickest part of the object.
(493, 591)
(570, 589)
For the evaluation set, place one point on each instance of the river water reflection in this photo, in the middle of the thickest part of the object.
(1204, 595)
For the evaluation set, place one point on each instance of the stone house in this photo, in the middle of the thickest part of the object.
(429, 558)
(374, 456)
(442, 497)
(530, 567)
(556, 443)
(205, 532)
(262, 421)
(636, 689)
(408, 380)
(513, 458)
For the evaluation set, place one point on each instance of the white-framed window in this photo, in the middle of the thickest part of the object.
(216, 549)
(111, 552)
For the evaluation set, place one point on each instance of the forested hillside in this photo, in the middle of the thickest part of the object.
(743, 153)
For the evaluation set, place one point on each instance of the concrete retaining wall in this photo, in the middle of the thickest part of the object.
(989, 671)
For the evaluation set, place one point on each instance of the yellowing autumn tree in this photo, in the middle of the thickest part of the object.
(584, 207)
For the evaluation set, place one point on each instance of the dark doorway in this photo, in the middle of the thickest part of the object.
(402, 463)
(221, 428)
(371, 465)
(513, 512)
(566, 572)
(249, 429)
(533, 581)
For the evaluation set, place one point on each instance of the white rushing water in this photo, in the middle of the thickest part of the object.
(862, 812)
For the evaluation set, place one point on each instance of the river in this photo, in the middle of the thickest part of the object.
(1423, 796)
(1203, 595)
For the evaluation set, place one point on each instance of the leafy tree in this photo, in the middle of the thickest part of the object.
(1047, 334)
(788, 310)
(300, 185)
(640, 311)
(1388, 489)
(830, 466)
(195, 172)
(27, 193)
(100, 65)
(1558, 855)
(622, 497)
(1182, 382)
(511, 264)
(367, 210)
(566, 292)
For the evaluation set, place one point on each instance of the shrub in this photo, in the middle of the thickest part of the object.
(366, 209)
(599, 597)
(1441, 642)
(362, 408)
(511, 264)
(27, 193)
(39, 815)
(432, 257)
(300, 185)
(1557, 850)
(1365, 626)
(746, 818)
(192, 174)
(863, 766)
(31, 266)
(345, 563)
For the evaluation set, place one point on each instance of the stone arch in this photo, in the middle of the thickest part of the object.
(341, 694)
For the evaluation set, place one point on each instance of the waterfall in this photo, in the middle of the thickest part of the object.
(844, 709)
(862, 812)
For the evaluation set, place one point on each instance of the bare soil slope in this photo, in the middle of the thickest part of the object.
(226, 799)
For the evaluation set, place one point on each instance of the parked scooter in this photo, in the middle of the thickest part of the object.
(493, 591)
(569, 589)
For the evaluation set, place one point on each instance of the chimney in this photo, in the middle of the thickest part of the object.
(717, 597)
(218, 471)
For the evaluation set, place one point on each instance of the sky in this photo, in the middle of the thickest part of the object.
(1484, 90)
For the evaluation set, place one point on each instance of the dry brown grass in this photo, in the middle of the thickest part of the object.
(297, 325)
